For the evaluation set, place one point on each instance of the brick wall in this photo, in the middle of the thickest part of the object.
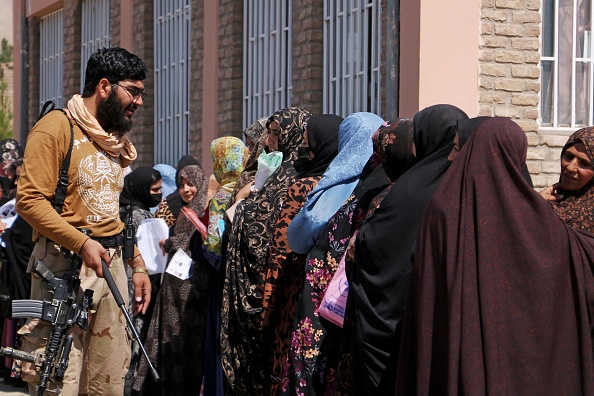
(32, 74)
(230, 100)
(142, 134)
(509, 78)
(308, 55)
(115, 23)
(196, 67)
(72, 37)
(383, 59)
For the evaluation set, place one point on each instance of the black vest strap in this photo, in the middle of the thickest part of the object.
(60, 194)
(62, 186)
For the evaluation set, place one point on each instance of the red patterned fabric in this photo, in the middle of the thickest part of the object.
(577, 207)
(502, 293)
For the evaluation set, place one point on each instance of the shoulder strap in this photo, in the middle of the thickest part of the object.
(47, 107)
(60, 194)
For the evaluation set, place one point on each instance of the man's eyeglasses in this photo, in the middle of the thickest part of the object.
(135, 92)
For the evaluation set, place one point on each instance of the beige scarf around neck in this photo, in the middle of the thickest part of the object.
(121, 148)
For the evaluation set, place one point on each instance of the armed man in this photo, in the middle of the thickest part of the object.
(92, 129)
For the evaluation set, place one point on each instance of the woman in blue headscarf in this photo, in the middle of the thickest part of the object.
(338, 182)
(308, 369)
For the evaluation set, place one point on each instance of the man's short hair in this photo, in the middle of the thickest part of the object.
(115, 64)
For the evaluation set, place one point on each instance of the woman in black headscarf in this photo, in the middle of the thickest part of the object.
(283, 275)
(253, 226)
(384, 252)
(502, 292)
(465, 129)
(142, 191)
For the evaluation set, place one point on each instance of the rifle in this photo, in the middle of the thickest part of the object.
(120, 302)
(62, 311)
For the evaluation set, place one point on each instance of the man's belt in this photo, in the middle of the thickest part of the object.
(109, 242)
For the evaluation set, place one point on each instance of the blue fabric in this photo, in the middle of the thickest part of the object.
(168, 175)
(338, 182)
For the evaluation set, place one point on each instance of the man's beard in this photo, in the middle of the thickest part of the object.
(111, 115)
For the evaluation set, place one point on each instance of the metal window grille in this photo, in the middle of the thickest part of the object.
(95, 31)
(172, 70)
(267, 55)
(51, 56)
(352, 48)
(566, 94)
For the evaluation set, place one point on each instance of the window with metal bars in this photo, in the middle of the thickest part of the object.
(267, 58)
(95, 31)
(51, 59)
(566, 64)
(172, 70)
(352, 49)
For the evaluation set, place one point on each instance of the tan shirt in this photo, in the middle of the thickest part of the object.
(95, 183)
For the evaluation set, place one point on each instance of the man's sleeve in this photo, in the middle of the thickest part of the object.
(37, 185)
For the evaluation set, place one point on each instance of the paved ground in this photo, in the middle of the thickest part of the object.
(11, 390)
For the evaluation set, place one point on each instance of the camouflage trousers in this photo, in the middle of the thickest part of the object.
(100, 356)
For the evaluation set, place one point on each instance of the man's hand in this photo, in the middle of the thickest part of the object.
(92, 252)
(142, 286)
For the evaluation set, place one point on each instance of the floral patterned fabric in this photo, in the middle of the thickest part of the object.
(317, 363)
(284, 278)
(577, 207)
(229, 156)
(312, 362)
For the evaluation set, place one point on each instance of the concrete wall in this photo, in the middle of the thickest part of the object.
(439, 49)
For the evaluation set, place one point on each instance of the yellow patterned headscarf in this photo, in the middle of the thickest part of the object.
(229, 155)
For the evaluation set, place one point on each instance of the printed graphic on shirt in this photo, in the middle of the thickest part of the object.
(77, 142)
(100, 181)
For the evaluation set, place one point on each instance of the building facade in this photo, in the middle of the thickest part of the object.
(218, 65)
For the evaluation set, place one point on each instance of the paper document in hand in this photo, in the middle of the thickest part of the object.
(8, 213)
(180, 265)
(149, 233)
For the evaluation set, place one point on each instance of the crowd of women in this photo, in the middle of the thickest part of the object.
(363, 256)
(370, 257)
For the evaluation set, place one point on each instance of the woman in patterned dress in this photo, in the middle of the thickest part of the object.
(283, 275)
(305, 368)
(175, 338)
(573, 196)
(229, 155)
(253, 225)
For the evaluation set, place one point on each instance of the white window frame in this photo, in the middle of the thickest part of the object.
(95, 31)
(267, 58)
(352, 56)
(555, 125)
(51, 58)
(172, 55)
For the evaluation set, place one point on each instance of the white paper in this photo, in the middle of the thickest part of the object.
(8, 213)
(179, 265)
(148, 235)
